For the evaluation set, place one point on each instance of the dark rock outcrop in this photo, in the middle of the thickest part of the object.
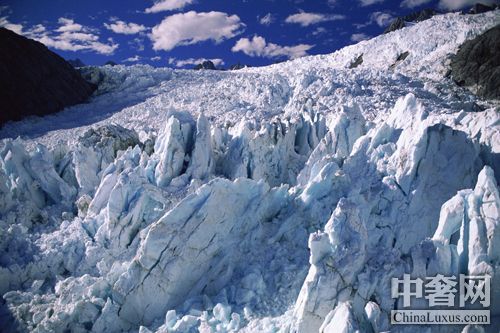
(207, 64)
(477, 64)
(480, 8)
(401, 57)
(98, 76)
(236, 67)
(35, 80)
(419, 16)
(358, 61)
(76, 63)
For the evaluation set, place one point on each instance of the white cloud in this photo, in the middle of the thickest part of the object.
(319, 31)
(135, 58)
(68, 44)
(413, 3)
(37, 29)
(359, 37)
(306, 19)
(17, 28)
(258, 47)
(459, 4)
(137, 44)
(382, 19)
(192, 27)
(68, 25)
(365, 3)
(267, 19)
(157, 58)
(192, 61)
(71, 36)
(167, 5)
(121, 27)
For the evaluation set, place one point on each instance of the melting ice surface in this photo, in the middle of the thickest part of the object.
(281, 198)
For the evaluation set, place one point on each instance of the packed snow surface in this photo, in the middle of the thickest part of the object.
(274, 199)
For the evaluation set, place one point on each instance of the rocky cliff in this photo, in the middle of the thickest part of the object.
(34, 80)
(477, 64)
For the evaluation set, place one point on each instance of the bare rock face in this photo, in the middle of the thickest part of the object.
(477, 65)
(480, 8)
(207, 64)
(34, 80)
(76, 62)
(419, 16)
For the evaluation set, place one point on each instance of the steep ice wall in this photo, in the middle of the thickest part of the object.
(95, 150)
(170, 151)
(409, 169)
(203, 164)
(119, 249)
(276, 152)
(29, 183)
(474, 215)
(377, 186)
(195, 247)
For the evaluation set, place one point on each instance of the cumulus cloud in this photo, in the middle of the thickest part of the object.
(306, 19)
(192, 61)
(382, 19)
(365, 3)
(459, 4)
(168, 5)
(71, 36)
(413, 3)
(319, 31)
(5, 23)
(136, 44)
(121, 27)
(359, 37)
(68, 36)
(68, 25)
(258, 47)
(135, 58)
(193, 27)
(36, 29)
(156, 58)
(267, 19)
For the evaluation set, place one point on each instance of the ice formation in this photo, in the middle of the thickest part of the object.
(162, 213)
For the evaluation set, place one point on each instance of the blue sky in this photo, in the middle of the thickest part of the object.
(177, 33)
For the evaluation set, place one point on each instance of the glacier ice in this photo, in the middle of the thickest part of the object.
(285, 201)
(202, 163)
(474, 216)
(197, 232)
(170, 151)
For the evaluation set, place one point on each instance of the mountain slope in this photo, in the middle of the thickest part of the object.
(35, 80)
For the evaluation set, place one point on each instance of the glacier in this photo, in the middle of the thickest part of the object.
(275, 199)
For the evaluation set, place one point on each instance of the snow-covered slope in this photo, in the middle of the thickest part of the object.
(281, 198)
